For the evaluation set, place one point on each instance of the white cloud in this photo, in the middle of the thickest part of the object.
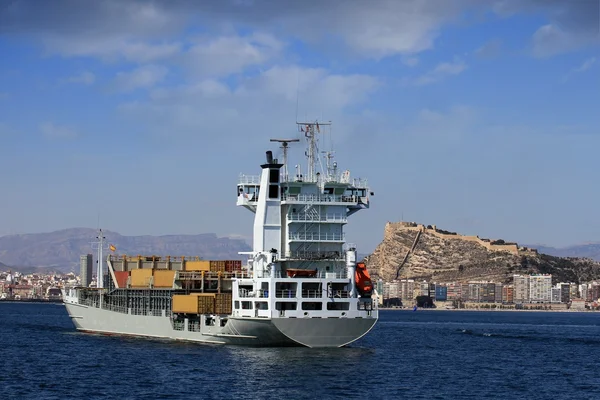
(85, 78)
(490, 49)
(587, 64)
(217, 112)
(110, 28)
(140, 31)
(142, 77)
(111, 49)
(52, 131)
(226, 55)
(550, 40)
(570, 25)
(441, 71)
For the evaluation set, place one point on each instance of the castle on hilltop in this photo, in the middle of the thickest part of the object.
(491, 245)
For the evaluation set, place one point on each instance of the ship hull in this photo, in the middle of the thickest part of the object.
(267, 332)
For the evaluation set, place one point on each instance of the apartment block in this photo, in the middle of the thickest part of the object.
(540, 288)
(521, 288)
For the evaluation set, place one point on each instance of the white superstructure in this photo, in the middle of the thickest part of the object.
(299, 252)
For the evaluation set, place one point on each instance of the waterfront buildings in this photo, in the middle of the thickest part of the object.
(524, 290)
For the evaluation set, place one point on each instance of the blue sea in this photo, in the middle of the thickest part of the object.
(408, 355)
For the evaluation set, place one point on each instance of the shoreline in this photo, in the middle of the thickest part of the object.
(31, 301)
(484, 310)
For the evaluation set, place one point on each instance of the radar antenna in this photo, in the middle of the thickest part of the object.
(284, 146)
(331, 167)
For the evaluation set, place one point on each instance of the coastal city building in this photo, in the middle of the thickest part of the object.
(533, 290)
(540, 288)
(86, 265)
(521, 288)
(526, 290)
(35, 286)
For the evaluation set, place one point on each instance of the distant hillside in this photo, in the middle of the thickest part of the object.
(61, 249)
(591, 250)
(409, 250)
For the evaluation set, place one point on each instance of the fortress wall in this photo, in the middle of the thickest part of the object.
(392, 227)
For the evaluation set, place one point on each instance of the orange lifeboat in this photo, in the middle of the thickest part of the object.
(301, 273)
(363, 280)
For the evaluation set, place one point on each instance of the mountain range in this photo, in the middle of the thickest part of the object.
(60, 250)
(588, 250)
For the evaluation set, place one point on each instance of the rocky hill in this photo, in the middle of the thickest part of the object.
(415, 251)
(61, 249)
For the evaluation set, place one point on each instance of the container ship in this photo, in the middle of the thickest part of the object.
(301, 284)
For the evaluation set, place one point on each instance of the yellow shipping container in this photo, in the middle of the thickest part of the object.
(201, 265)
(183, 303)
(141, 277)
(223, 303)
(206, 304)
(163, 278)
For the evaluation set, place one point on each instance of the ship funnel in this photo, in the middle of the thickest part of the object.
(269, 157)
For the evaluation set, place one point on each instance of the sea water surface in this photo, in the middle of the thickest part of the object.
(408, 355)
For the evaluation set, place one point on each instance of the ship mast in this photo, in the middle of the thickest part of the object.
(99, 245)
(313, 152)
(284, 146)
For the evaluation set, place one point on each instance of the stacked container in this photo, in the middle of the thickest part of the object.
(233, 266)
(217, 266)
(122, 277)
(141, 277)
(185, 303)
(223, 303)
(206, 303)
(200, 265)
(163, 278)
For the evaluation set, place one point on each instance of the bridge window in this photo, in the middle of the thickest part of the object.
(312, 305)
(285, 305)
(246, 305)
(341, 306)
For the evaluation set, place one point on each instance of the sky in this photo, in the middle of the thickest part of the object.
(479, 116)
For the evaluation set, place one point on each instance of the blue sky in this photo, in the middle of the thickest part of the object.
(479, 116)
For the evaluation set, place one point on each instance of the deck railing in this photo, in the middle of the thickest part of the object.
(319, 198)
(249, 180)
(321, 237)
(337, 217)
(314, 255)
(285, 294)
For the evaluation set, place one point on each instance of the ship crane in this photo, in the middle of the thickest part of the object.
(284, 145)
